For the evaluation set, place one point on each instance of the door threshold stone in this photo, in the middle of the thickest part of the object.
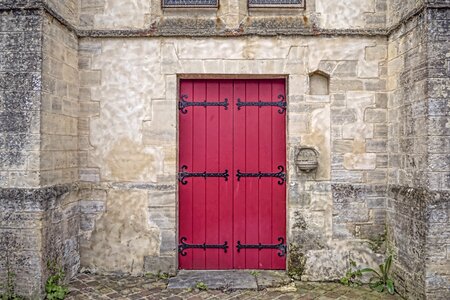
(229, 279)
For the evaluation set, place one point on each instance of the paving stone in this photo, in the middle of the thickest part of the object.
(95, 287)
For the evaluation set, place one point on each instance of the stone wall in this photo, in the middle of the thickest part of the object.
(69, 10)
(37, 226)
(399, 9)
(129, 143)
(20, 79)
(417, 214)
(59, 142)
(39, 217)
(407, 154)
(232, 16)
(437, 275)
(59, 107)
(102, 111)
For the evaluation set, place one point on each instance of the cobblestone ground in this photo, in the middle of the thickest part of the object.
(86, 286)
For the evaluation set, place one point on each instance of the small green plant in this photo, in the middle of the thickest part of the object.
(352, 276)
(162, 275)
(54, 286)
(10, 293)
(380, 280)
(201, 286)
(254, 273)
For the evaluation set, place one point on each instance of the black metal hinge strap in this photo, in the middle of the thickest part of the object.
(280, 175)
(182, 104)
(281, 246)
(183, 246)
(183, 174)
(281, 104)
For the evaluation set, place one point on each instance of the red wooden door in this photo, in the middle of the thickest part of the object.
(232, 189)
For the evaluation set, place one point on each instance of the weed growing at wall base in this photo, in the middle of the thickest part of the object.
(201, 286)
(54, 287)
(381, 280)
(10, 293)
(352, 276)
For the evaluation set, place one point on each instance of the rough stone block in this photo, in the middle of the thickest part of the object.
(364, 161)
(92, 207)
(346, 68)
(162, 217)
(375, 115)
(155, 264)
(325, 264)
(342, 146)
(90, 78)
(346, 176)
(340, 116)
(378, 52)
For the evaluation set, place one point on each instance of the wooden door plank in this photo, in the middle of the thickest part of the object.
(279, 158)
(239, 199)
(226, 187)
(265, 165)
(198, 183)
(251, 166)
(185, 158)
(212, 184)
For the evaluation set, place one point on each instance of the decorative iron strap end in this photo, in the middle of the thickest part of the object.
(182, 104)
(183, 174)
(280, 175)
(183, 246)
(281, 104)
(281, 247)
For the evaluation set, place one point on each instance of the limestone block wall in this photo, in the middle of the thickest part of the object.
(398, 9)
(348, 14)
(437, 275)
(231, 16)
(407, 153)
(59, 107)
(39, 218)
(418, 206)
(68, 9)
(59, 142)
(128, 144)
(20, 98)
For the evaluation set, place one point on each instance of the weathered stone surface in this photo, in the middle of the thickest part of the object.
(92, 286)
(213, 279)
(122, 236)
(28, 238)
(385, 119)
(417, 149)
(20, 84)
(366, 161)
(160, 264)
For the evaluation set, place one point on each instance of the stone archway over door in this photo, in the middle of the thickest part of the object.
(232, 182)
